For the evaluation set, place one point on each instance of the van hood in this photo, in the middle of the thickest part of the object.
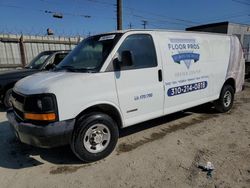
(46, 82)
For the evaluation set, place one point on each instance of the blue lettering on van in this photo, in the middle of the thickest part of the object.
(187, 88)
(144, 96)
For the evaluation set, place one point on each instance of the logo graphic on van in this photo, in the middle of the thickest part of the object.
(184, 51)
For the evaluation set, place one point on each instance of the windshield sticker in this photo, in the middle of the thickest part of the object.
(107, 37)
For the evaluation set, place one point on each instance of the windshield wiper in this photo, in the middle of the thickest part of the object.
(67, 67)
(85, 69)
(74, 69)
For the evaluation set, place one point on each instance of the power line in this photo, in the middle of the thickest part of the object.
(52, 12)
(91, 1)
(101, 2)
(144, 11)
(97, 2)
(44, 11)
(230, 17)
(166, 19)
(139, 13)
(151, 17)
(157, 20)
(241, 2)
(19, 7)
(162, 16)
(225, 16)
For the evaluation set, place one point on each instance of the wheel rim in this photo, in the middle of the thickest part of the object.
(227, 99)
(96, 138)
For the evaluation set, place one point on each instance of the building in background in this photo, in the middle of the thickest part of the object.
(242, 31)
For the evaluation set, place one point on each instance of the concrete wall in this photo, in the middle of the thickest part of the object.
(17, 50)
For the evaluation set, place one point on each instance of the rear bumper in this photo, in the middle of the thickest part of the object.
(48, 136)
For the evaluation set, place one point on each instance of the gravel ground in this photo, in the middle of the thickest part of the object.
(164, 152)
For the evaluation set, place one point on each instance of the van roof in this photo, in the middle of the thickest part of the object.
(165, 30)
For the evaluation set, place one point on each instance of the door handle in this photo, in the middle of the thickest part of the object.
(160, 75)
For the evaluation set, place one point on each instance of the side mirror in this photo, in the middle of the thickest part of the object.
(49, 66)
(126, 58)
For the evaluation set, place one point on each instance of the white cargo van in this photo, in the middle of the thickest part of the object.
(114, 80)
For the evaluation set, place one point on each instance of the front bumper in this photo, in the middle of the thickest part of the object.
(48, 136)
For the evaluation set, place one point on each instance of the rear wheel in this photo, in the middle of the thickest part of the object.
(225, 102)
(6, 98)
(94, 137)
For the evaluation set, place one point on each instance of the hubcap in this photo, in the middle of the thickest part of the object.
(227, 99)
(96, 138)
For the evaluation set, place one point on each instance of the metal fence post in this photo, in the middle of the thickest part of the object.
(22, 51)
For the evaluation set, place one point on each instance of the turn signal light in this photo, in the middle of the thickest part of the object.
(41, 117)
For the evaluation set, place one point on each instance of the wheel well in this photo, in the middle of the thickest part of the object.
(104, 108)
(6, 88)
(231, 82)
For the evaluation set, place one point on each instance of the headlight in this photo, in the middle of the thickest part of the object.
(41, 107)
(40, 104)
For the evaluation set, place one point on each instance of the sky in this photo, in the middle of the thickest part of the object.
(87, 17)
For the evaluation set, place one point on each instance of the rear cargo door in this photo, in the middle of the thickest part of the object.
(186, 70)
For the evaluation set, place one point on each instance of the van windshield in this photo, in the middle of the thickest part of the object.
(90, 54)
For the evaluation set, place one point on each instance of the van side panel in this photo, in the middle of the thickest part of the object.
(194, 66)
(236, 66)
(186, 76)
(220, 55)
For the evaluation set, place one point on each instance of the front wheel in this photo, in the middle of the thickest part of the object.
(95, 137)
(225, 102)
(6, 98)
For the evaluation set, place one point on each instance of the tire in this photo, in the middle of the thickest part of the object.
(94, 137)
(6, 98)
(225, 102)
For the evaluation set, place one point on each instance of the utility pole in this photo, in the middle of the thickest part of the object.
(119, 14)
(130, 25)
(144, 23)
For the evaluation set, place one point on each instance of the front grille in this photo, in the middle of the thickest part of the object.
(18, 102)
(19, 115)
